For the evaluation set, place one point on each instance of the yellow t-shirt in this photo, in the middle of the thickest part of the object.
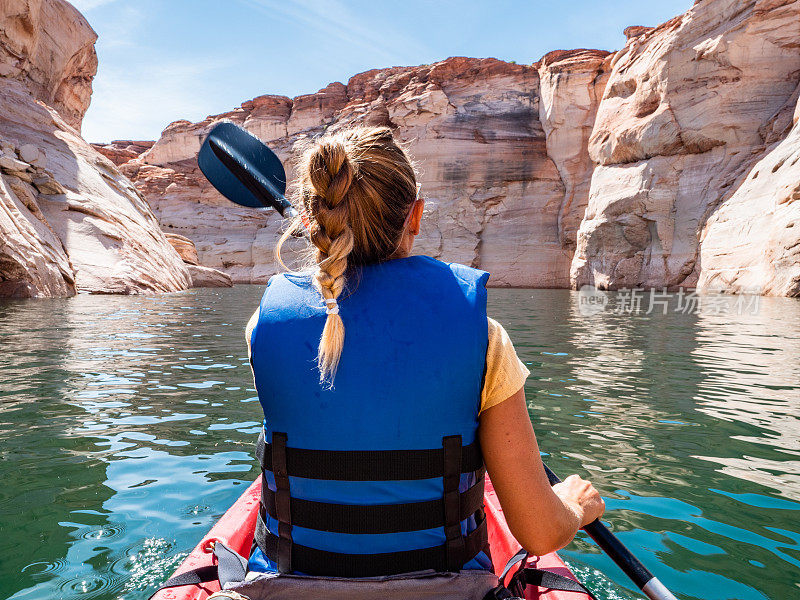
(505, 372)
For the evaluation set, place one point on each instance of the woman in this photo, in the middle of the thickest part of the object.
(385, 387)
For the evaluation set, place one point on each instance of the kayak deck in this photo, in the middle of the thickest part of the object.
(237, 527)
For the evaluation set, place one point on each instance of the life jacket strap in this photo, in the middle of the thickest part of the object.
(368, 465)
(454, 547)
(283, 503)
(335, 564)
(525, 575)
(379, 518)
(449, 511)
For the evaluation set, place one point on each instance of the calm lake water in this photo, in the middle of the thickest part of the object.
(127, 426)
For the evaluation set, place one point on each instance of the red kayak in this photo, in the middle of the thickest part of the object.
(237, 527)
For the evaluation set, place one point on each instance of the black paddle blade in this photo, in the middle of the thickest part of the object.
(243, 169)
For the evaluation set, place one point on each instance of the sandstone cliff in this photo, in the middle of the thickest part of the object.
(671, 162)
(493, 195)
(69, 221)
(690, 110)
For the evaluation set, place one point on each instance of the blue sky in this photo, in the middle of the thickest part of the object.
(162, 60)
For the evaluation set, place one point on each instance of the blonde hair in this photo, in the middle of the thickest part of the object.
(356, 188)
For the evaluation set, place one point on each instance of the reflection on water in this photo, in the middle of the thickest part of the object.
(763, 351)
(126, 428)
(688, 423)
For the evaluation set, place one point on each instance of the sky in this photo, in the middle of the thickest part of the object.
(164, 60)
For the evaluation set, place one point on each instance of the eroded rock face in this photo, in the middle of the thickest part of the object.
(32, 259)
(208, 277)
(184, 247)
(572, 84)
(684, 117)
(629, 169)
(49, 46)
(69, 221)
(756, 228)
(493, 194)
(201, 276)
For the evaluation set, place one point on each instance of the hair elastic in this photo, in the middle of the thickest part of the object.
(332, 307)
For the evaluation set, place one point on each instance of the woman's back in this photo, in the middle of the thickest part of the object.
(393, 391)
(402, 317)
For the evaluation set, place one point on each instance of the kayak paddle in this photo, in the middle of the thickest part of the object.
(625, 560)
(244, 170)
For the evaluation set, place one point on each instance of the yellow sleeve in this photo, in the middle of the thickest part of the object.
(505, 372)
(248, 330)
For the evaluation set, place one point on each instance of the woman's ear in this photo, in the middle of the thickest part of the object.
(416, 216)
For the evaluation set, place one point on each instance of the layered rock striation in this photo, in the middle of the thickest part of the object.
(201, 276)
(670, 163)
(69, 221)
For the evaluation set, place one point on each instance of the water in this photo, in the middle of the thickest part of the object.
(127, 424)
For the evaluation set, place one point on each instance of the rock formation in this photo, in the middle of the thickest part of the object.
(572, 83)
(201, 276)
(121, 151)
(49, 46)
(672, 162)
(755, 228)
(493, 195)
(69, 221)
(690, 111)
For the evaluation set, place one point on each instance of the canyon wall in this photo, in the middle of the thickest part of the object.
(672, 162)
(69, 221)
(493, 195)
(693, 110)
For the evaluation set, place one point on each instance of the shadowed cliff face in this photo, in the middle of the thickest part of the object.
(69, 221)
(646, 167)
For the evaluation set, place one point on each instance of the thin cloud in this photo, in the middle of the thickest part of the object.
(123, 30)
(136, 93)
(332, 19)
(137, 103)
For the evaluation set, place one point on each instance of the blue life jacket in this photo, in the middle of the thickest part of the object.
(381, 473)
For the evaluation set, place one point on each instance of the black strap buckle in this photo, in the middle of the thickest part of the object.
(525, 576)
(231, 566)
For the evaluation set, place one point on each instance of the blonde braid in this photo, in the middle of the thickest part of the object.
(330, 174)
(356, 188)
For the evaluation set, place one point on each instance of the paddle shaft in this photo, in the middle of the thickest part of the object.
(625, 560)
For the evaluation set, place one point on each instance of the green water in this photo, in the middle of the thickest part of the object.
(127, 424)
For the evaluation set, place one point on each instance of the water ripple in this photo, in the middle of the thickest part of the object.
(128, 424)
